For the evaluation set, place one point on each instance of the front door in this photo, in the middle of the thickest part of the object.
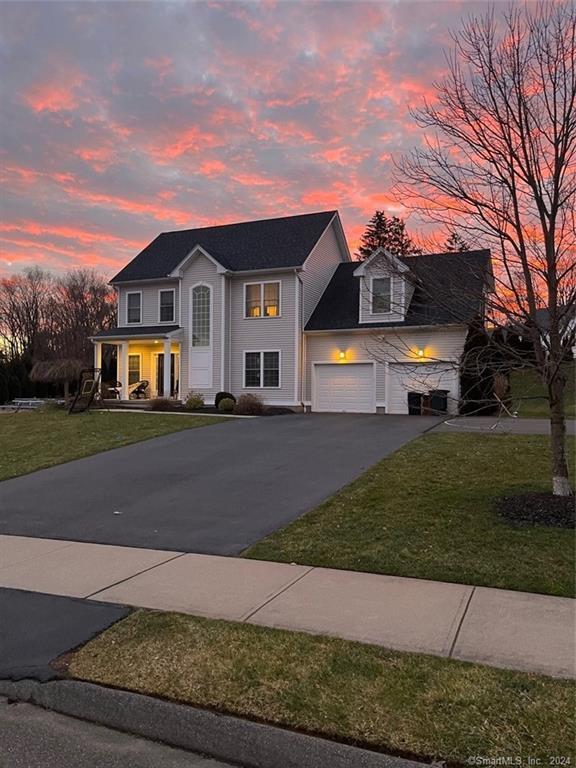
(160, 375)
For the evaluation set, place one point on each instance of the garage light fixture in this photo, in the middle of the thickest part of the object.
(342, 355)
(420, 353)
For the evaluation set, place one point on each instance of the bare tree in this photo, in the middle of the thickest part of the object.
(499, 159)
(23, 311)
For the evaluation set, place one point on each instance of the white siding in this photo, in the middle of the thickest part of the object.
(201, 270)
(383, 346)
(150, 301)
(318, 269)
(264, 333)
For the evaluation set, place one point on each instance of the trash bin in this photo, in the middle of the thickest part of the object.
(439, 400)
(414, 403)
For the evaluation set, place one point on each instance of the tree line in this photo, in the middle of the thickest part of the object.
(49, 318)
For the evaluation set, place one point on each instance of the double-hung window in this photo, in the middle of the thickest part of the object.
(262, 299)
(167, 306)
(134, 307)
(261, 370)
(381, 295)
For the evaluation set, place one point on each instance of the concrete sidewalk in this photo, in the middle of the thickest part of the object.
(502, 628)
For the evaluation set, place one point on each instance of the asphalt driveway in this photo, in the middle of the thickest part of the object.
(211, 490)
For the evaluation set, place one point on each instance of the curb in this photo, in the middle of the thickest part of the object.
(224, 737)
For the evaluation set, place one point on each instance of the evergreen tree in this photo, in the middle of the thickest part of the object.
(456, 242)
(388, 233)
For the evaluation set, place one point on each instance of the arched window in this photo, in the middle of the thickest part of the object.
(201, 316)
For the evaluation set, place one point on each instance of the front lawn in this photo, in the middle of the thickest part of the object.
(408, 704)
(34, 440)
(528, 395)
(427, 512)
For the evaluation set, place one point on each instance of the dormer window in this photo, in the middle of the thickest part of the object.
(381, 292)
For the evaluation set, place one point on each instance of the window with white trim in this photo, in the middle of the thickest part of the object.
(133, 307)
(261, 370)
(133, 369)
(167, 306)
(262, 299)
(201, 316)
(381, 295)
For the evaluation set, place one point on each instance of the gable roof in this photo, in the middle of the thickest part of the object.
(251, 245)
(453, 294)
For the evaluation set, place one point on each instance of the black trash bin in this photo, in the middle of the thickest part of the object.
(439, 400)
(414, 403)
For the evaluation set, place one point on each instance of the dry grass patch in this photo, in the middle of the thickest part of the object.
(396, 702)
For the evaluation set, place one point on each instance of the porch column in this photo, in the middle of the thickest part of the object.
(98, 360)
(122, 364)
(166, 372)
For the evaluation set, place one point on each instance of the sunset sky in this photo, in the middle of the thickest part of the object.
(121, 120)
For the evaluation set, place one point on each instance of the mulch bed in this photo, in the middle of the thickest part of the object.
(269, 410)
(538, 509)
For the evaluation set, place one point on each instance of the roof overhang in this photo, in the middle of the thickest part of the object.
(124, 335)
(384, 328)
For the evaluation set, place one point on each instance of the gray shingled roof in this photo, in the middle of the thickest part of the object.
(265, 244)
(448, 290)
(136, 330)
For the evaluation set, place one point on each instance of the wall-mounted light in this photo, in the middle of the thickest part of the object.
(342, 355)
(420, 353)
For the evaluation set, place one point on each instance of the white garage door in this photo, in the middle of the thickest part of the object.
(420, 377)
(348, 387)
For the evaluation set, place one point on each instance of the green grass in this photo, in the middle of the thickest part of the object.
(34, 440)
(427, 512)
(527, 384)
(407, 704)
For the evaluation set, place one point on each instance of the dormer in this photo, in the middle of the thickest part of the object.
(385, 291)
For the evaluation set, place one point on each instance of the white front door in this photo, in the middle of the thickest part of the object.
(344, 388)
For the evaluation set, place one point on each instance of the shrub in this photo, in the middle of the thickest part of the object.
(226, 405)
(194, 401)
(162, 404)
(223, 396)
(249, 405)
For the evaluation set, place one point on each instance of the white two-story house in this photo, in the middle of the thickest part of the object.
(277, 308)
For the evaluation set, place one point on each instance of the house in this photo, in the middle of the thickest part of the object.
(277, 308)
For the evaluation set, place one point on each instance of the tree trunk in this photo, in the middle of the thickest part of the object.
(560, 479)
(67, 391)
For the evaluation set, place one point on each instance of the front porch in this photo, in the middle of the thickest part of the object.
(147, 364)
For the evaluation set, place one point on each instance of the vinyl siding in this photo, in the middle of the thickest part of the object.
(201, 270)
(150, 301)
(401, 345)
(318, 269)
(264, 334)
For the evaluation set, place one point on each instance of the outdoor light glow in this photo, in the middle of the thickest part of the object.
(420, 353)
(342, 355)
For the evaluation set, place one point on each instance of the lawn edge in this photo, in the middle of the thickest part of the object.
(112, 447)
(218, 735)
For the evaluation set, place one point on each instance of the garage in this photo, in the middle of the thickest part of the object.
(344, 388)
(420, 377)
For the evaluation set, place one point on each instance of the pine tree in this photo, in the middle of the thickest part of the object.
(388, 233)
(456, 242)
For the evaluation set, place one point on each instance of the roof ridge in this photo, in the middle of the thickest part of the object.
(250, 221)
